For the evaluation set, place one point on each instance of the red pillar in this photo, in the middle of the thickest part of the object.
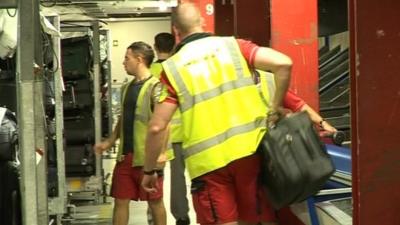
(375, 111)
(294, 31)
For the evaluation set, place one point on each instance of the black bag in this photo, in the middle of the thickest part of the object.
(79, 131)
(295, 161)
(8, 135)
(76, 58)
(10, 196)
(78, 95)
(80, 160)
(8, 94)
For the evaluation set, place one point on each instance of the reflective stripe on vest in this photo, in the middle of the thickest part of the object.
(196, 148)
(176, 128)
(189, 100)
(267, 87)
(223, 116)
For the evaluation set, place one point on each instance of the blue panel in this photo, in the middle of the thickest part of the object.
(341, 157)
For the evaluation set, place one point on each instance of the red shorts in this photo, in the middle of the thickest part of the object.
(126, 182)
(232, 193)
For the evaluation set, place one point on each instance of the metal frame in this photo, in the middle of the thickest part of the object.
(57, 205)
(28, 110)
(96, 90)
(8, 4)
(41, 133)
(312, 200)
(106, 34)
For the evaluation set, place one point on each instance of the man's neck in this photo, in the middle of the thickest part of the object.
(162, 56)
(190, 38)
(143, 74)
(193, 31)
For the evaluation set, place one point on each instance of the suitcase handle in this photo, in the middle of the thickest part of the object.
(336, 137)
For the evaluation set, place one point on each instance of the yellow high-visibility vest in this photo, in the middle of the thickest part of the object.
(266, 87)
(156, 69)
(176, 128)
(143, 114)
(223, 115)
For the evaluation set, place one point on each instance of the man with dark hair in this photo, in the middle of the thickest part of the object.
(138, 99)
(163, 45)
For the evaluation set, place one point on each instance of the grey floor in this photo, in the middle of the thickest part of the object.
(101, 214)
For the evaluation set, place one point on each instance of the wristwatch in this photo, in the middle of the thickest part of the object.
(321, 122)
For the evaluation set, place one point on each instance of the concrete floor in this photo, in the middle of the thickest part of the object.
(101, 214)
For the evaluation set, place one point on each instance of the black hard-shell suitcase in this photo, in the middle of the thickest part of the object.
(76, 57)
(78, 95)
(295, 161)
(8, 94)
(80, 160)
(79, 131)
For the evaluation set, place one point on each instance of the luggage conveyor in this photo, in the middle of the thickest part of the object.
(342, 159)
(334, 89)
(333, 204)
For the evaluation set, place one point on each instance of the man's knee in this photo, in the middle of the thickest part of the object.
(121, 203)
(155, 203)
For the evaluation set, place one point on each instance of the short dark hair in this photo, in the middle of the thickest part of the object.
(164, 42)
(144, 50)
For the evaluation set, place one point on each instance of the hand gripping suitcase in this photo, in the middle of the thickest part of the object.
(295, 161)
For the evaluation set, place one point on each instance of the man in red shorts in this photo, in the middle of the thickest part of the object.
(138, 99)
(223, 119)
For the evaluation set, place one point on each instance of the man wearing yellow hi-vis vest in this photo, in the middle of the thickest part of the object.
(163, 46)
(223, 119)
(138, 99)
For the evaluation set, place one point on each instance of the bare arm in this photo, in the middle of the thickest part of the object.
(155, 141)
(116, 132)
(162, 158)
(157, 133)
(280, 65)
(317, 119)
(99, 148)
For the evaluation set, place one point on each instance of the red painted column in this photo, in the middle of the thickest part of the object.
(294, 31)
(207, 12)
(375, 111)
